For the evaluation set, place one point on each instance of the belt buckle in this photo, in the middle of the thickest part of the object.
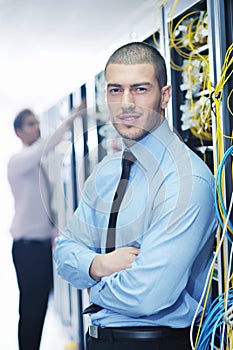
(93, 331)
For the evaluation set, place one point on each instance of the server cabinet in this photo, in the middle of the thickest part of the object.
(199, 51)
(188, 34)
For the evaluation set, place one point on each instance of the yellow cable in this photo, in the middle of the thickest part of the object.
(157, 44)
(204, 306)
(228, 102)
(226, 65)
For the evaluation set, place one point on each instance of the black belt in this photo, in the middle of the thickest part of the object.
(138, 333)
(24, 241)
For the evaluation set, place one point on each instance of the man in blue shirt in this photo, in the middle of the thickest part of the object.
(149, 287)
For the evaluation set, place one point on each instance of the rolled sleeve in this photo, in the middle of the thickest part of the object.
(73, 262)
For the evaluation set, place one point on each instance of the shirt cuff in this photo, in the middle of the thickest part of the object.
(74, 267)
(95, 295)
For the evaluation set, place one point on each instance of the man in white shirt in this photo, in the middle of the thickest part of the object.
(31, 228)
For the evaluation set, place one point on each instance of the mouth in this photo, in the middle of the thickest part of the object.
(129, 118)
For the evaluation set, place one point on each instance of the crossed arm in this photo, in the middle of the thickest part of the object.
(116, 261)
(162, 256)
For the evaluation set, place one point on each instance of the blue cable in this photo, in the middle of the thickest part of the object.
(213, 320)
(214, 317)
(218, 192)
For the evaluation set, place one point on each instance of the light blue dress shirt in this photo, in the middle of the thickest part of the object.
(168, 212)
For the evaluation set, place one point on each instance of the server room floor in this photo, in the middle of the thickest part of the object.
(55, 335)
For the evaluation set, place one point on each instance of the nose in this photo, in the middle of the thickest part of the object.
(127, 98)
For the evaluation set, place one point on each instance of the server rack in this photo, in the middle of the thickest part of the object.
(211, 136)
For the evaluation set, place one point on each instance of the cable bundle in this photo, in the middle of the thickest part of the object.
(189, 38)
(219, 202)
(189, 34)
(215, 319)
(220, 313)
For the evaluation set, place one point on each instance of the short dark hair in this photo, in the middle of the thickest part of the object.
(19, 119)
(140, 52)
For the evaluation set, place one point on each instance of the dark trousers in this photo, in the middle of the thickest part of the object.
(177, 343)
(33, 265)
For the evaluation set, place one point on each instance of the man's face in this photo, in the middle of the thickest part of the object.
(30, 131)
(135, 100)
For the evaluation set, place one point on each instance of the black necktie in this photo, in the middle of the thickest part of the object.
(127, 161)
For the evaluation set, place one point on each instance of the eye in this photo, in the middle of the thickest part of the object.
(115, 91)
(139, 90)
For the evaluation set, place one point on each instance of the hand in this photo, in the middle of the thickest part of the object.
(116, 261)
(57, 137)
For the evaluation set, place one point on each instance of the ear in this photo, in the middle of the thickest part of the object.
(166, 92)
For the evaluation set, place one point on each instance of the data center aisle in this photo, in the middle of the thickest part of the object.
(55, 335)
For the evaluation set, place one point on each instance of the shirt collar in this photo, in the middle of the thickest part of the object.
(151, 149)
